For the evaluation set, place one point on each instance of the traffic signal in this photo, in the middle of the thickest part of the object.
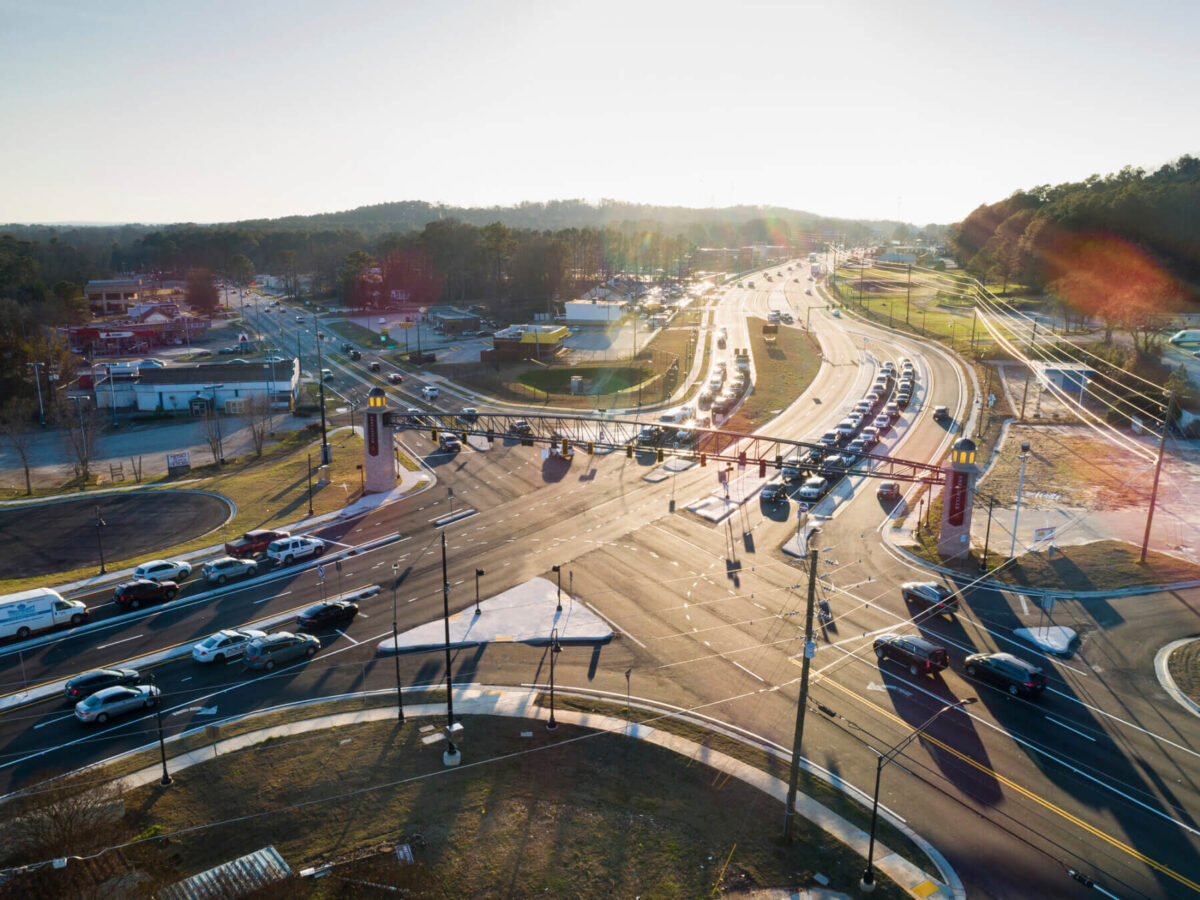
(629, 451)
(703, 459)
(658, 454)
(778, 462)
(591, 448)
(762, 468)
(566, 446)
(464, 437)
(433, 435)
(742, 459)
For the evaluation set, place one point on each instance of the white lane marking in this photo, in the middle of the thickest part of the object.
(1024, 604)
(1069, 728)
(121, 641)
(56, 719)
(350, 639)
(182, 680)
(747, 671)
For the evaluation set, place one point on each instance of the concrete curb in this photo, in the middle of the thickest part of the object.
(499, 701)
(1163, 672)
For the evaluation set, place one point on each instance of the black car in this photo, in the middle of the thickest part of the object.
(87, 683)
(902, 400)
(330, 612)
(936, 596)
(915, 652)
(521, 427)
(772, 492)
(355, 354)
(1007, 671)
(814, 456)
(650, 435)
(835, 466)
(132, 594)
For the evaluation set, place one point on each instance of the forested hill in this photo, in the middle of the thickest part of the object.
(727, 226)
(1035, 236)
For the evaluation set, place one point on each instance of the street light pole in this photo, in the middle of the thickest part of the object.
(557, 570)
(162, 744)
(100, 523)
(868, 879)
(987, 535)
(478, 572)
(396, 643)
(1012, 550)
(451, 756)
(802, 704)
(326, 453)
(112, 393)
(555, 649)
(310, 508)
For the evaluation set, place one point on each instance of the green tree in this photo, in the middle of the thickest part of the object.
(353, 267)
(70, 306)
(201, 291)
(240, 269)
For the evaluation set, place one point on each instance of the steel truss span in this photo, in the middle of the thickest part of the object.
(703, 445)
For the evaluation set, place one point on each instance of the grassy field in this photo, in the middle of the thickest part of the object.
(609, 378)
(357, 334)
(783, 371)
(1184, 665)
(529, 812)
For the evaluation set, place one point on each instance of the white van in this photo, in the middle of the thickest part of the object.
(25, 612)
(429, 392)
(1187, 336)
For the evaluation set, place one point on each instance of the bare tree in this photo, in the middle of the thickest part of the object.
(257, 415)
(213, 435)
(14, 429)
(80, 439)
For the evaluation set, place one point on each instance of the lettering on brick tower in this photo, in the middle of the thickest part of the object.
(958, 497)
(373, 434)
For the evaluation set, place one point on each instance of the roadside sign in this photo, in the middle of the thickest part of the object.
(320, 572)
(801, 508)
(1043, 534)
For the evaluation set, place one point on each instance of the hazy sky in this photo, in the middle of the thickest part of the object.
(185, 110)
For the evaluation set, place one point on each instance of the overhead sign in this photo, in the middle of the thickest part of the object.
(1043, 534)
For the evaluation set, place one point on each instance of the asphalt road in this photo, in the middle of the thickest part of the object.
(1098, 775)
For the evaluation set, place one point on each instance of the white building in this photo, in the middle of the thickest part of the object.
(194, 389)
(592, 312)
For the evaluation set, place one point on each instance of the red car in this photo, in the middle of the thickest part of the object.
(253, 543)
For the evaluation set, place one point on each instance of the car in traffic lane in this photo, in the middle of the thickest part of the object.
(936, 596)
(225, 645)
(328, 612)
(288, 550)
(1015, 675)
(113, 701)
(139, 591)
(920, 655)
(163, 570)
(278, 648)
(227, 568)
(87, 683)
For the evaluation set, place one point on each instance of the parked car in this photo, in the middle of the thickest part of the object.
(772, 492)
(935, 596)
(113, 701)
(225, 645)
(87, 683)
(163, 570)
(228, 568)
(138, 591)
(812, 489)
(919, 654)
(288, 550)
(254, 542)
(888, 491)
(278, 648)
(1018, 677)
(329, 612)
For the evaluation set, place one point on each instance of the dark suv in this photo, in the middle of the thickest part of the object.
(1007, 671)
(132, 594)
(920, 655)
(936, 596)
(88, 683)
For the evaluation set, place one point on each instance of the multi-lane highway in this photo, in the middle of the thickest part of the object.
(1099, 774)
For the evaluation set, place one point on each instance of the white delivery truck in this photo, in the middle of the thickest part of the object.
(25, 612)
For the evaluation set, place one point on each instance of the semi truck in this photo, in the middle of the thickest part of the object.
(38, 609)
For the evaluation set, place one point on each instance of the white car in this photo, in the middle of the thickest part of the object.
(163, 570)
(429, 392)
(287, 550)
(225, 645)
(813, 488)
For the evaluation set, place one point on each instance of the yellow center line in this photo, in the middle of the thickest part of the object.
(1025, 792)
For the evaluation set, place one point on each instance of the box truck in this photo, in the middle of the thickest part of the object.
(23, 613)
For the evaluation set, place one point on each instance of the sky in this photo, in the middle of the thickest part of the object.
(215, 111)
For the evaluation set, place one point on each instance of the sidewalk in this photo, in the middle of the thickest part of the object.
(482, 700)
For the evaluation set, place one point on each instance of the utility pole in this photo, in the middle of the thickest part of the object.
(451, 756)
(987, 536)
(326, 454)
(974, 320)
(1029, 371)
(1157, 470)
(809, 650)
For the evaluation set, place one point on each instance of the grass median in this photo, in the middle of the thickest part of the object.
(783, 370)
(568, 813)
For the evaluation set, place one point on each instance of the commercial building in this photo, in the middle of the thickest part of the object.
(159, 325)
(526, 342)
(593, 312)
(194, 389)
(453, 321)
